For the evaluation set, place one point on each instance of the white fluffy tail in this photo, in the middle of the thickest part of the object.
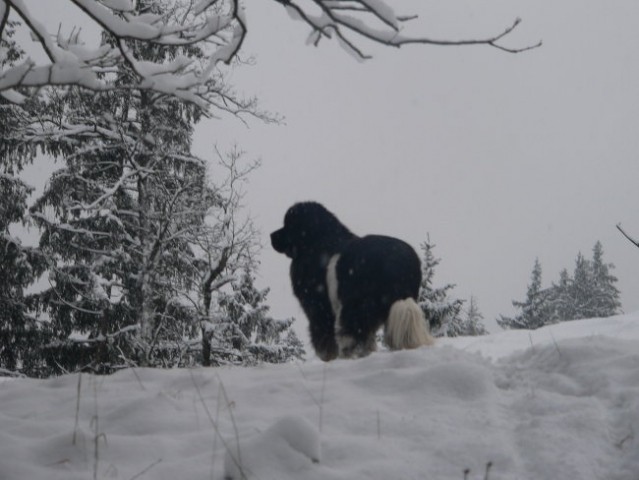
(406, 326)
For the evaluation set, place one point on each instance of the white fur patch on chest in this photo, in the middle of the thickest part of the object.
(331, 285)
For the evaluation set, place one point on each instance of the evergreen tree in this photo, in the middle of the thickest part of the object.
(607, 295)
(131, 227)
(243, 332)
(593, 289)
(442, 312)
(582, 289)
(124, 207)
(119, 237)
(473, 324)
(589, 293)
(534, 309)
(20, 332)
(560, 301)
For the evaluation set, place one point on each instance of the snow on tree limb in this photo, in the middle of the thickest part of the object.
(218, 29)
(352, 18)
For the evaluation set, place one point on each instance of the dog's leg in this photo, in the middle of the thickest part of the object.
(354, 332)
(345, 342)
(349, 347)
(324, 345)
(354, 338)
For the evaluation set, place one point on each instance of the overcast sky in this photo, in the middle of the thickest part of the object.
(500, 158)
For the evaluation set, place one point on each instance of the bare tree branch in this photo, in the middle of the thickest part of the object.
(632, 240)
(4, 17)
(356, 22)
(36, 28)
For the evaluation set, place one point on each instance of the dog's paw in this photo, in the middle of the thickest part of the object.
(351, 348)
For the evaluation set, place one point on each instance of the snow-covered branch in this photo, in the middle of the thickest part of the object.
(200, 36)
(216, 27)
(374, 20)
(10, 373)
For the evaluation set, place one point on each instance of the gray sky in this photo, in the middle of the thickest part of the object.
(500, 158)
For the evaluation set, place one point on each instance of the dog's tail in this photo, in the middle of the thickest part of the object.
(406, 326)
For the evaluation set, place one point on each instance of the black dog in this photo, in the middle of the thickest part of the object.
(350, 286)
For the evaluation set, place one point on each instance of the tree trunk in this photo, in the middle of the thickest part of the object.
(206, 348)
(207, 298)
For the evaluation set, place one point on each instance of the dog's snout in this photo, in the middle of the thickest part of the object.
(277, 241)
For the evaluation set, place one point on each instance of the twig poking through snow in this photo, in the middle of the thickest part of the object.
(233, 422)
(319, 403)
(489, 465)
(138, 475)
(216, 428)
(137, 377)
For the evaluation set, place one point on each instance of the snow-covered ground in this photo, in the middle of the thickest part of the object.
(559, 403)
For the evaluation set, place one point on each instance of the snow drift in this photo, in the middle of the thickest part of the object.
(561, 402)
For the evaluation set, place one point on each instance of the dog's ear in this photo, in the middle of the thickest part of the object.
(307, 220)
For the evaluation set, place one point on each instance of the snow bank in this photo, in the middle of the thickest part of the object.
(290, 445)
(558, 403)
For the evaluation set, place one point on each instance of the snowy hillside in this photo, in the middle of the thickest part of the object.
(559, 403)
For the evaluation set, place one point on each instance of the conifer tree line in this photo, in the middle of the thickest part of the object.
(146, 260)
(589, 293)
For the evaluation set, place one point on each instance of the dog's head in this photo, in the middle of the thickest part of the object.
(308, 227)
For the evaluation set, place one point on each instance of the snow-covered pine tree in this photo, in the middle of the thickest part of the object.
(473, 324)
(442, 312)
(119, 220)
(559, 299)
(534, 309)
(589, 293)
(582, 289)
(607, 301)
(20, 332)
(593, 289)
(244, 333)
